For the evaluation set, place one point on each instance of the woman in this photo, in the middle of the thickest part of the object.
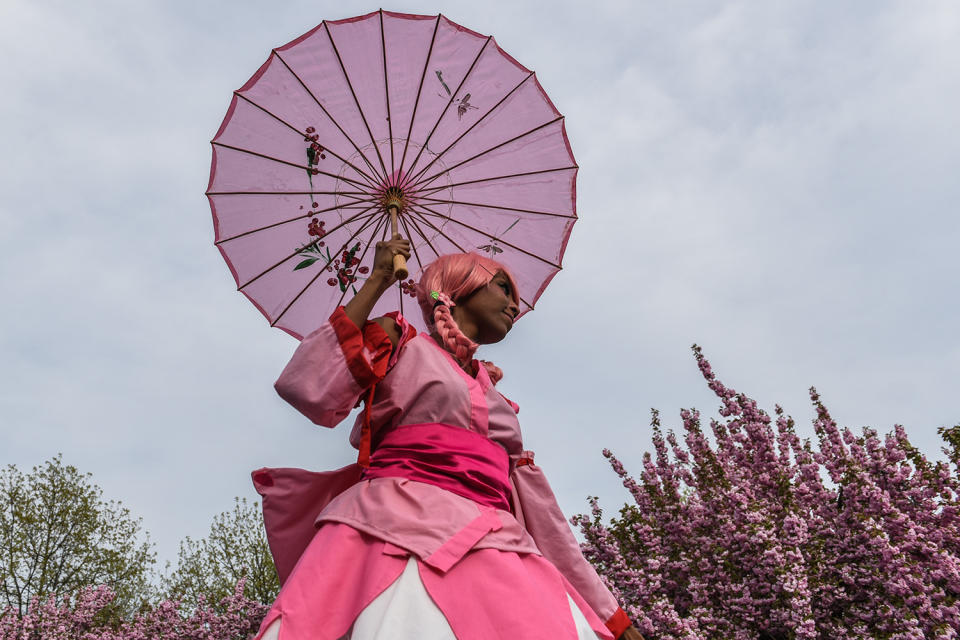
(444, 529)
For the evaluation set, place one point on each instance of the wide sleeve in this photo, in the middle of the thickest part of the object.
(332, 368)
(536, 507)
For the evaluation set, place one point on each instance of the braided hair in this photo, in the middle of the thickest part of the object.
(451, 278)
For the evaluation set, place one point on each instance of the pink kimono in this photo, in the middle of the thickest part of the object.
(448, 484)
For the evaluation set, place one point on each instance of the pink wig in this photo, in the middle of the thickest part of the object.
(454, 277)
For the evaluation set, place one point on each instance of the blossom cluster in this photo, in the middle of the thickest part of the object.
(86, 616)
(752, 532)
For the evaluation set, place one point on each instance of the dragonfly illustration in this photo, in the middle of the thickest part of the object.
(462, 105)
(493, 248)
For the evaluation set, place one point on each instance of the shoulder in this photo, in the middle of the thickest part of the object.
(396, 327)
(390, 327)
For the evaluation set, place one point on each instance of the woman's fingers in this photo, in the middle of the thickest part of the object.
(387, 249)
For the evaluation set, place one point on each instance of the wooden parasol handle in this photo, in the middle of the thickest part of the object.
(399, 262)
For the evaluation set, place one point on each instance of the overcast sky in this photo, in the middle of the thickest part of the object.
(775, 181)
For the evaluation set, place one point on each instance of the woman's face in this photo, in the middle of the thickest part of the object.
(487, 314)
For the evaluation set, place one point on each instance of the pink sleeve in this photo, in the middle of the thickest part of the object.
(332, 368)
(537, 509)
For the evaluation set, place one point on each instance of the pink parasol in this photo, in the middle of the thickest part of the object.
(387, 112)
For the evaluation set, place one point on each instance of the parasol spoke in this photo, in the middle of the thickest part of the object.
(494, 206)
(386, 90)
(269, 269)
(427, 181)
(300, 217)
(425, 238)
(287, 162)
(416, 254)
(370, 181)
(431, 212)
(350, 194)
(357, 102)
(399, 287)
(470, 128)
(413, 247)
(432, 190)
(450, 102)
(324, 267)
(416, 103)
(325, 112)
(456, 244)
(343, 293)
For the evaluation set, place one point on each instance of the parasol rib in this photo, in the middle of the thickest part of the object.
(422, 235)
(470, 128)
(449, 102)
(416, 254)
(287, 162)
(426, 181)
(350, 194)
(299, 133)
(269, 269)
(346, 244)
(427, 211)
(418, 261)
(343, 293)
(416, 103)
(386, 90)
(494, 206)
(357, 102)
(325, 112)
(454, 243)
(504, 177)
(300, 217)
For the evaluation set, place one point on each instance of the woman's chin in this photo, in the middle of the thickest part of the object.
(493, 337)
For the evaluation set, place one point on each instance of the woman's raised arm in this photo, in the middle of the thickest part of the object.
(381, 277)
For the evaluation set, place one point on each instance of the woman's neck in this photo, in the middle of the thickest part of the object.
(467, 367)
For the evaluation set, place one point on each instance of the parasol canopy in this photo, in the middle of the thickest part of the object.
(387, 109)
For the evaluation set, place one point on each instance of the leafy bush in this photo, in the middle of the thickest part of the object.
(58, 534)
(235, 548)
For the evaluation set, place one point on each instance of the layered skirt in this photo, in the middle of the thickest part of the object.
(351, 585)
(424, 545)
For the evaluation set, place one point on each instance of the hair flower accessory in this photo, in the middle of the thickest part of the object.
(441, 298)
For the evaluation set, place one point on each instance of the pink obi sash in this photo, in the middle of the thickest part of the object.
(450, 457)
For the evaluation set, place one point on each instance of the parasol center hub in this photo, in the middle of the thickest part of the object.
(394, 197)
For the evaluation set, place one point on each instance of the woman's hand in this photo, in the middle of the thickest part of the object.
(632, 633)
(382, 274)
(380, 279)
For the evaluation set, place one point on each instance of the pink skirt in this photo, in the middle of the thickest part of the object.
(488, 594)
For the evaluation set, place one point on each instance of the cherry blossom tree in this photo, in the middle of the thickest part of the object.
(749, 531)
(80, 617)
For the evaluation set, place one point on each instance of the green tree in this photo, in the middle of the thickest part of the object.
(951, 435)
(57, 534)
(236, 547)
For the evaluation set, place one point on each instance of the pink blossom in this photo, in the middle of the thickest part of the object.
(749, 531)
(81, 617)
